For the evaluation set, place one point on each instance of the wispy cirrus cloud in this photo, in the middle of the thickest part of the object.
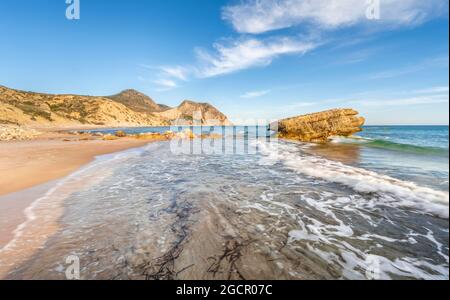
(255, 16)
(255, 94)
(248, 52)
(165, 84)
(395, 72)
(425, 96)
(167, 77)
(421, 100)
(441, 61)
(357, 56)
(178, 72)
(251, 18)
(433, 90)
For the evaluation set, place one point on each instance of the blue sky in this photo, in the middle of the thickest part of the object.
(251, 59)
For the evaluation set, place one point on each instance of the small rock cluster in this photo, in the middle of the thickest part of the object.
(168, 135)
(17, 133)
(186, 134)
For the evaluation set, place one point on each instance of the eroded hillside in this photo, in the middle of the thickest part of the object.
(129, 108)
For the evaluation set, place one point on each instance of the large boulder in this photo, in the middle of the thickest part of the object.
(320, 127)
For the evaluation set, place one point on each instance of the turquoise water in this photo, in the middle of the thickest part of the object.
(414, 153)
(254, 131)
(390, 137)
(417, 139)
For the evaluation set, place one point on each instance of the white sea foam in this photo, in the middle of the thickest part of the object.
(389, 190)
(326, 227)
(352, 140)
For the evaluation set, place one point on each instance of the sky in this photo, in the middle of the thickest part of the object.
(253, 60)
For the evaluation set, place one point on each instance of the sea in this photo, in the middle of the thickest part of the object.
(247, 205)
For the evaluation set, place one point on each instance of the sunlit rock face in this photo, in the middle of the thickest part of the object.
(320, 127)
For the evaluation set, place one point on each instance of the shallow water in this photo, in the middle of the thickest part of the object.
(286, 212)
(413, 153)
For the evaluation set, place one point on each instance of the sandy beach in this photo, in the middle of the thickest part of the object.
(50, 157)
(27, 165)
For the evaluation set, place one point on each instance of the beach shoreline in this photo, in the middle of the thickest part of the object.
(29, 167)
(24, 164)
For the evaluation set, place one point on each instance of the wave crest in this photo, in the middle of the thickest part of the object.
(390, 191)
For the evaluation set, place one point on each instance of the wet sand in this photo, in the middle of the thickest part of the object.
(12, 208)
(30, 163)
(27, 169)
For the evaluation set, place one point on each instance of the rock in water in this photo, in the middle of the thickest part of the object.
(320, 127)
(120, 134)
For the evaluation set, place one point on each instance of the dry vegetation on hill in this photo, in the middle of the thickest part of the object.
(129, 108)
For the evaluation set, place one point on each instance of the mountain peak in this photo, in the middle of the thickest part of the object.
(209, 113)
(131, 92)
(136, 101)
(192, 103)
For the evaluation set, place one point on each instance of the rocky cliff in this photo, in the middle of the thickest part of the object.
(320, 127)
(128, 108)
(193, 112)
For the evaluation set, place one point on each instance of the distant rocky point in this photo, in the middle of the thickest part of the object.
(320, 127)
(126, 109)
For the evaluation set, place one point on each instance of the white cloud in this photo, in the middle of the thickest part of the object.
(256, 16)
(177, 72)
(245, 53)
(165, 84)
(316, 17)
(166, 76)
(255, 94)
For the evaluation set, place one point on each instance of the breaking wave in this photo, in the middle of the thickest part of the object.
(393, 146)
(390, 191)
